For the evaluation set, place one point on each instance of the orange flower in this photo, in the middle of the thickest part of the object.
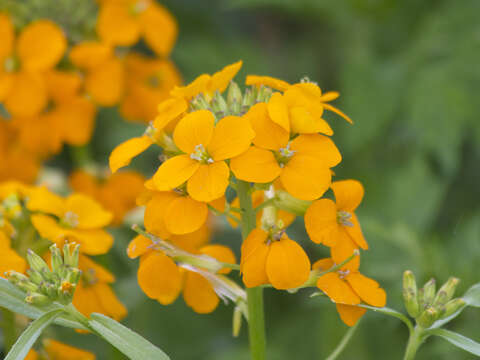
(60, 351)
(161, 279)
(347, 287)
(104, 72)
(117, 192)
(302, 164)
(9, 259)
(206, 146)
(39, 47)
(122, 22)
(335, 224)
(273, 259)
(94, 294)
(148, 83)
(77, 217)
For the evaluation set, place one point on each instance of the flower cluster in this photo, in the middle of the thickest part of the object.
(51, 85)
(32, 218)
(273, 138)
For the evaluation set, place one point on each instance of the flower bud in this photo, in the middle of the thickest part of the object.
(71, 253)
(36, 262)
(15, 277)
(248, 99)
(452, 307)
(234, 98)
(27, 286)
(237, 321)
(219, 105)
(427, 317)
(446, 291)
(429, 290)
(57, 260)
(287, 202)
(73, 275)
(37, 299)
(199, 103)
(410, 297)
(35, 276)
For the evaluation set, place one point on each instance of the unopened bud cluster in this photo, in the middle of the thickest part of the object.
(427, 305)
(44, 284)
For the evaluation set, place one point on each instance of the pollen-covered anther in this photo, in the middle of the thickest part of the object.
(284, 154)
(139, 7)
(343, 273)
(343, 218)
(201, 154)
(70, 219)
(67, 287)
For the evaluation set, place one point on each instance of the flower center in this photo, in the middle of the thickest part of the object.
(139, 7)
(283, 155)
(343, 273)
(154, 80)
(343, 218)
(201, 154)
(89, 277)
(70, 219)
(11, 64)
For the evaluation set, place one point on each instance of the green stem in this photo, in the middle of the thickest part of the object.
(77, 315)
(343, 343)
(256, 317)
(8, 330)
(417, 336)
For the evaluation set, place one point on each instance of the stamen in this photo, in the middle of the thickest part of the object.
(343, 218)
(200, 154)
(70, 219)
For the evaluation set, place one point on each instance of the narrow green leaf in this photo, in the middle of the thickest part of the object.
(13, 299)
(25, 342)
(391, 312)
(458, 340)
(128, 342)
(472, 296)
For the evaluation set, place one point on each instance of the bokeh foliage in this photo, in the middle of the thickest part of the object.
(409, 76)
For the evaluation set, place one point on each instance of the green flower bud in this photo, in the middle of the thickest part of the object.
(73, 275)
(287, 202)
(234, 98)
(37, 299)
(410, 297)
(427, 317)
(237, 321)
(27, 286)
(57, 260)
(219, 105)
(36, 262)
(35, 276)
(448, 289)
(452, 307)
(429, 290)
(71, 253)
(199, 103)
(15, 277)
(50, 290)
(248, 99)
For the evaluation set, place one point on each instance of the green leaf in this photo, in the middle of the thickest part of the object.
(128, 342)
(13, 299)
(390, 312)
(472, 296)
(458, 340)
(24, 343)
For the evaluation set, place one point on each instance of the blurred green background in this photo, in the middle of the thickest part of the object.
(409, 75)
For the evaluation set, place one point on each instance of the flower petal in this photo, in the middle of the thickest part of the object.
(123, 154)
(41, 45)
(350, 314)
(254, 258)
(303, 122)
(343, 249)
(7, 34)
(348, 194)
(159, 28)
(323, 264)
(255, 165)
(209, 182)
(90, 214)
(278, 111)
(356, 233)
(194, 129)
(305, 178)
(231, 137)
(106, 82)
(116, 26)
(368, 289)
(10, 260)
(287, 264)
(27, 96)
(154, 218)
(199, 294)
(43, 200)
(138, 246)
(159, 277)
(92, 242)
(276, 84)
(318, 146)
(78, 116)
(337, 289)
(321, 222)
(168, 111)
(109, 302)
(221, 79)
(268, 134)
(221, 253)
(184, 215)
(174, 172)
(58, 350)
(90, 54)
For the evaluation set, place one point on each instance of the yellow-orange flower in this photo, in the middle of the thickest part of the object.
(206, 146)
(303, 164)
(148, 83)
(117, 192)
(347, 287)
(335, 224)
(93, 292)
(122, 22)
(9, 259)
(161, 279)
(60, 351)
(273, 259)
(23, 61)
(77, 218)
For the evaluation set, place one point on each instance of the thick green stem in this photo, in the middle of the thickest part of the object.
(8, 329)
(417, 336)
(256, 318)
